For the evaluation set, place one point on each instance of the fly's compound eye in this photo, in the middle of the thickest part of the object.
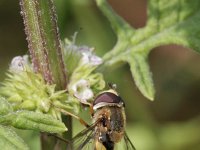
(107, 99)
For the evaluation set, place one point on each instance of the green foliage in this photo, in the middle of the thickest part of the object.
(33, 121)
(28, 90)
(5, 106)
(169, 22)
(9, 140)
(28, 119)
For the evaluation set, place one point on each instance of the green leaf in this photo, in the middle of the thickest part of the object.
(142, 77)
(33, 121)
(9, 140)
(118, 24)
(175, 22)
(5, 106)
(21, 90)
(169, 22)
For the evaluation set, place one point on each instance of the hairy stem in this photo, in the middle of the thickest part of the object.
(43, 40)
(45, 48)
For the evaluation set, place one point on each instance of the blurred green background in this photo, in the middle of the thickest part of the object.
(172, 121)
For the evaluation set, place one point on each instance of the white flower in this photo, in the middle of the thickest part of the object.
(82, 91)
(89, 58)
(18, 63)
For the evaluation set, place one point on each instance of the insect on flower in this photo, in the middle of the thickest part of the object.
(108, 129)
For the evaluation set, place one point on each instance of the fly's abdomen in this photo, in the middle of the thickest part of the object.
(117, 124)
(110, 128)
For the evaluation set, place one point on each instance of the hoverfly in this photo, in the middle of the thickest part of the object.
(108, 128)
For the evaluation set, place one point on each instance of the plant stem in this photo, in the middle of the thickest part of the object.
(45, 48)
(44, 41)
(51, 41)
(29, 14)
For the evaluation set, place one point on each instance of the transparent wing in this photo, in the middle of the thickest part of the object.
(84, 140)
(125, 144)
(128, 144)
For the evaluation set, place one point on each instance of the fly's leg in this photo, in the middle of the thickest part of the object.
(72, 115)
(58, 137)
(78, 118)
